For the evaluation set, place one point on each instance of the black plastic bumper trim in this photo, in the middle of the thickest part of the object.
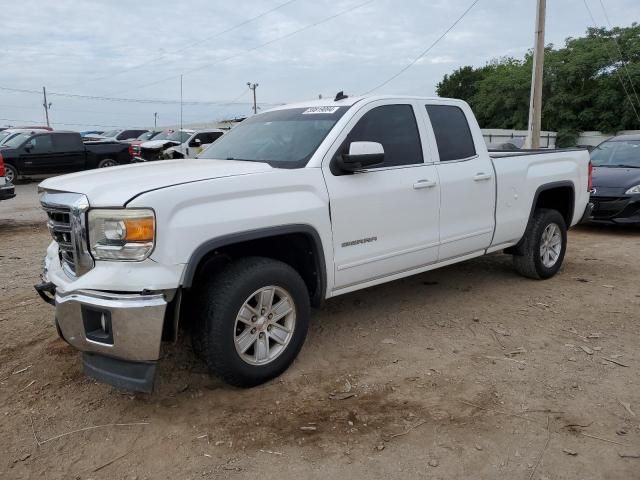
(122, 374)
(47, 291)
(588, 211)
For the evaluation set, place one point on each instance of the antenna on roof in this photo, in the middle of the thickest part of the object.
(340, 96)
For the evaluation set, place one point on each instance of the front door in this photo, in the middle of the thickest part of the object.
(36, 155)
(385, 218)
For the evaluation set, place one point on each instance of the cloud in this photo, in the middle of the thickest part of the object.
(117, 47)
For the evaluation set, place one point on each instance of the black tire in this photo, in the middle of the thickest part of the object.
(11, 173)
(220, 301)
(530, 264)
(107, 162)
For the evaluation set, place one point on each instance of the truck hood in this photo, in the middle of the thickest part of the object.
(115, 186)
(155, 144)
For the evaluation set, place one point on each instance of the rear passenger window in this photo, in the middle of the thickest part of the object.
(394, 126)
(64, 142)
(452, 132)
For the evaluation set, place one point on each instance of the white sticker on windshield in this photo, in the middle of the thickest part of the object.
(314, 110)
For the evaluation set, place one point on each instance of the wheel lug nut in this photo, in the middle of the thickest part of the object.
(254, 318)
(262, 311)
(253, 330)
(269, 328)
(270, 316)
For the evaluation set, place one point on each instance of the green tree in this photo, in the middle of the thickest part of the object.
(584, 85)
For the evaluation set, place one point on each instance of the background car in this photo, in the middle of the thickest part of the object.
(122, 134)
(7, 190)
(59, 152)
(616, 181)
(195, 144)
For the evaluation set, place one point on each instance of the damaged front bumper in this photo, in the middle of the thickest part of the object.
(119, 334)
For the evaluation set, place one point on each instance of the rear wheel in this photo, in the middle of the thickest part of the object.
(107, 162)
(11, 173)
(253, 320)
(544, 245)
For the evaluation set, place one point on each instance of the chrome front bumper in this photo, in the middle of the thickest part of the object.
(123, 326)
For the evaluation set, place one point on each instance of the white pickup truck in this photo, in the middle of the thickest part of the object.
(293, 206)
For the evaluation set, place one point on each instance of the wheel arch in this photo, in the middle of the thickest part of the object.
(209, 249)
(560, 196)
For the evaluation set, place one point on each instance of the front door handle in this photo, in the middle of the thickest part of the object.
(424, 184)
(480, 177)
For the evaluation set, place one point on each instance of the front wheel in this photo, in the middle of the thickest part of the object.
(11, 173)
(544, 245)
(253, 320)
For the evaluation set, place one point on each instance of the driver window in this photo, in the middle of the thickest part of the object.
(40, 144)
(395, 127)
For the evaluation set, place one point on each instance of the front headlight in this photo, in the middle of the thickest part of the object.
(633, 190)
(125, 234)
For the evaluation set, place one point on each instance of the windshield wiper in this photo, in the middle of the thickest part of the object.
(624, 166)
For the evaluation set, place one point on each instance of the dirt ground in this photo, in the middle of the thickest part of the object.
(468, 372)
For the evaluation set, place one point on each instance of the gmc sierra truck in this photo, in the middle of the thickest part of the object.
(293, 206)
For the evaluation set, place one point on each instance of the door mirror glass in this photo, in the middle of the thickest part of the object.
(361, 155)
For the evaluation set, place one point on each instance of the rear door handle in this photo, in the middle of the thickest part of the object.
(424, 184)
(480, 177)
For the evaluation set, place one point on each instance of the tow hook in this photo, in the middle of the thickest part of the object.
(47, 291)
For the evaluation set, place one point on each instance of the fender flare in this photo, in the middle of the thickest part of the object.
(213, 244)
(516, 249)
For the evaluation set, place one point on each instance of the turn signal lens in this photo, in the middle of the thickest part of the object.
(139, 229)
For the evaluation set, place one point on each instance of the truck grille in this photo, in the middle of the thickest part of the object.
(66, 223)
(59, 225)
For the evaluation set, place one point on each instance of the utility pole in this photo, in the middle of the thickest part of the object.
(46, 105)
(155, 120)
(181, 103)
(535, 102)
(253, 87)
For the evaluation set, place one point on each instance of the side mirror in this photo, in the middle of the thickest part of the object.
(361, 155)
(28, 147)
(195, 143)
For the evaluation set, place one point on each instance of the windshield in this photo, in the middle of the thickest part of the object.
(624, 153)
(283, 138)
(111, 133)
(18, 140)
(178, 137)
(4, 135)
(147, 135)
(163, 135)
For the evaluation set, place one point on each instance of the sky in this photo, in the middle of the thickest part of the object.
(295, 50)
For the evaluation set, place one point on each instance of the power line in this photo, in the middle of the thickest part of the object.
(119, 99)
(191, 45)
(269, 42)
(613, 62)
(615, 42)
(60, 123)
(424, 52)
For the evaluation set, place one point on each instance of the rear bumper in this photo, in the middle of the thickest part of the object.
(622, 210)
(8, 191)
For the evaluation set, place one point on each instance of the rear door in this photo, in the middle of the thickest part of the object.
(69, 152)
(36, 155)
(385, 218)
(467, 182)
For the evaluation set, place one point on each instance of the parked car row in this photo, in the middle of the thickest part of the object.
(34, 151)
(59, 152)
